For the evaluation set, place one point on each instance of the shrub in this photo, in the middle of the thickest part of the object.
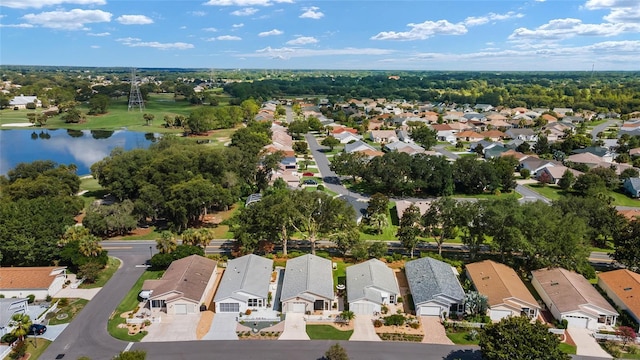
(384, 309)
(8, 338)
(414, 324)
(377, 323)
(400, 300)
(248, 312)
(472, 335)
(48, 298)
(31, 298)
(320, 187)
(397, 256)
(392, 320)
(525, 173)
(63, 302)
(19, 349)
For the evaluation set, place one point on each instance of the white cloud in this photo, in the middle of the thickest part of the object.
(95, 46)
(135, 42)
(38, 4)
(481, 20)
(245, 12)
(23, 26)
(423, 31)
(228, 38)
(197, 13)
(287, 53)
(245, 2)
(559, 29)
(210, 29)
(621, 11)
(183, 27)
(237, 26)
(311, 13)
(68, 20)
(134, 20)
(302, 40)
(271, 33)
(99, 34)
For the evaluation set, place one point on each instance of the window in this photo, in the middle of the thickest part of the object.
(252, 302)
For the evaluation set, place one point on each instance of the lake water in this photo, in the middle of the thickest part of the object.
(80, 147)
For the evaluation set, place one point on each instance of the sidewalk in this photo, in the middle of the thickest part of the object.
(86, 294)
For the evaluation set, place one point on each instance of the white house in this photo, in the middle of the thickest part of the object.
(347, 137)
(20, 282)
(307, 284)
(434, 287)
(244, 285)
(370, 285)
(570, 296)
(186, 285)
(20, 102)
(10, 307)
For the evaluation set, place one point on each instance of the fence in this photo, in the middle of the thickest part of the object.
(138, 321)
(466, 324)
(52, 308)
(556, 331)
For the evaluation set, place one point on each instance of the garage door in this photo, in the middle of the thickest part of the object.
(229, 307)
(577, 322)
(180, 309)
(297, 307)
(498, 314)
(361, 308)
(430, 310)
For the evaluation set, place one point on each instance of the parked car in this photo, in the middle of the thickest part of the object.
(310, 182)
(37, 329)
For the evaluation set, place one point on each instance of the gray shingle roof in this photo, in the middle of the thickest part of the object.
(429, 277)
(307, 274)
(250, 274)
(353, 146)
(364, 277)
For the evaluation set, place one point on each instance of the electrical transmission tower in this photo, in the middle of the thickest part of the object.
(135, 98)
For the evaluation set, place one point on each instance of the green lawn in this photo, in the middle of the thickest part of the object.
(72, 309)
(36, 347)
(388, 233)
(553, 192)
(568, 349)
(460, 338)
(340, 272)
(93, 190)
(105, 274)
(128, 303)
(489, 196)
(327, 332)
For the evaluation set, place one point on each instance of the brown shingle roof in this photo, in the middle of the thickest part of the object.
(569, 290)
(27, 277)
(188, 276)
(498, 282)
(626, 285)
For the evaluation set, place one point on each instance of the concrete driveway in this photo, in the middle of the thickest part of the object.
(87, 294)
(53, 331)
(295, 328)
(434, 332)
(586, 343)
(223, 327)
(174, 328)
(363, 329)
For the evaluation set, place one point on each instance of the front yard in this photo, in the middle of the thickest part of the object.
(105, 274)
(67, 310)
(553, 192)
(327, 332)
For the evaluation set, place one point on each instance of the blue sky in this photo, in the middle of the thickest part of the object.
(347, 34)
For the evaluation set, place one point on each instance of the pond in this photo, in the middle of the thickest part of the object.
(80, 147)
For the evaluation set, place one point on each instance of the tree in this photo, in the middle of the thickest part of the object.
(300, 147)
(250, 109)
(347, 316)
(21, 324)
(475, 303)
(439, 220)
(378, 249)
(629, 173)
(409, 228)
(330, 142)
(349, 164)
(542, 146)
(314, 123)
(378, 204)
(72, 115)
(298, 127)
(627, 245)
(336, 352)
(504, 167)
(627, 334)
(379, 221)
(589, 184)
(567, 180)
(166, 243)
(424, 136)
(148, 118)
(516, 338)
(89, 271)
(98, 104)
(525, 173)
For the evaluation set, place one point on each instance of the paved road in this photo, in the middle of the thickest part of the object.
(602, 127)
(441, 149)
(530, 195)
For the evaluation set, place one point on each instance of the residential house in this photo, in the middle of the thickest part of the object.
(291, 178)
(187, 284)
(568, 295)
(400, 146)
(402, 205)
(634, 152)
(555, 173)
(307, 285)
(587, 158)
(383, 136)
(289, 163)
(342, 129)
(347, 137)
(561, 112)
(506, 293)
(469, 136)
(444, 132)
(10, 307)
(604, 153)
(632, 186)
(483, 107)
(622, 286)
(516, 154)
(19, 282)
(534, 164)
(363, 147)
(434, 287)
(20, 102)
(495, 151)
(548, 118)
(493, 135)
(630, 214)
(370, 285)
(404, 136)
(244, 284)
(522, 134)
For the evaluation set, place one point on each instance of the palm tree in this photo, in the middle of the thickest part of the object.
(189, 237)
(89, 246)
(204, 237)
(21, 324)
(379, 221)
(347, 316)
(167, 243)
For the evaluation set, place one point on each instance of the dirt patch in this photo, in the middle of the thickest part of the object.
(78, 218)
(403, 284)
(204, 324)
(568, 339)
(141, 231)
(404, 329)
(209, 300)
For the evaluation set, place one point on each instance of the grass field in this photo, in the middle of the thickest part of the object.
(128, 303)
(118, 116)
(72, 309)
(105, 274)
(553, 192)
(460, 338)
(327, 332)
(36, 347)
(567, 349)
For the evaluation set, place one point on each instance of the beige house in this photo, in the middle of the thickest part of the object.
(20, 282)
(568, 295)
(186, 284)
(507, 294)
(623, 287)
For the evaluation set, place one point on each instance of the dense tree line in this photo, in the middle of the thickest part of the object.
(180, 182)
(397, 173)
(37, 204)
